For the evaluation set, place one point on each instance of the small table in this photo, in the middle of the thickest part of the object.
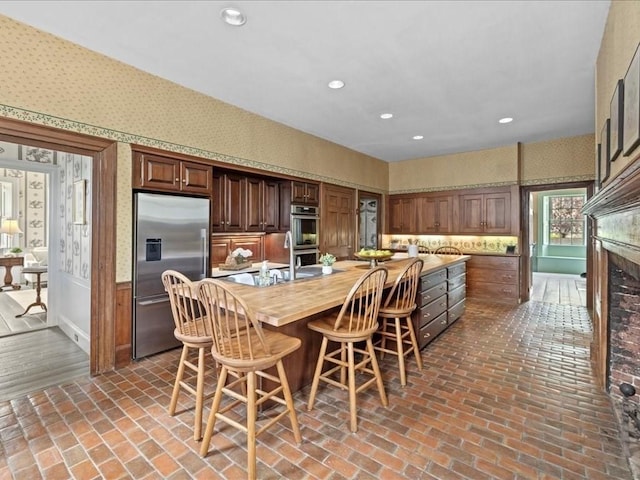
(8, 263)
(38, 303)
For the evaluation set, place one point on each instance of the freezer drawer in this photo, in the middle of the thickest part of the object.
(153, 326)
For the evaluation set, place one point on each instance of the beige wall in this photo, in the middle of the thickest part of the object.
(94, 94)
(555, 161)
(619, 42)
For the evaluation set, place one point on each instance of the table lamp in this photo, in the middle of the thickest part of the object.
(10, 227)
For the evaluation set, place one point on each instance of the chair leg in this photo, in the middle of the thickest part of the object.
(316, 375)
(352, 388)
(176, 385)
(215, 406)
(400, 352)
(376, 371)
(343, 359)
(286, 391)
(414, 342)
(251, 424)
(383, 340)
(197, 428)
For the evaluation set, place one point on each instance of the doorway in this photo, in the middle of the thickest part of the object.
(369, 224)
(553, 243)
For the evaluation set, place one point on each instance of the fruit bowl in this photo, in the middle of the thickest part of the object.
(374, 257)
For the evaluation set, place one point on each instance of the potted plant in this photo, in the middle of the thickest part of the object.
(327, 260)
(15, 251)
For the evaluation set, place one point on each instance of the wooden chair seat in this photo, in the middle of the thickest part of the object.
(354, 324)
(246, 352)
(194, 333)
(397, 326)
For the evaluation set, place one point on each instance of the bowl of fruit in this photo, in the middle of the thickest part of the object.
(373, 256)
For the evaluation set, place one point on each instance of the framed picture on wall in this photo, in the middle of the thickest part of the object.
(631, 126)
(616, 112)
(78, 204)
(605, 163)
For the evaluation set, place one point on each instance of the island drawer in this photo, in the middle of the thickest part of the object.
(455, 312)
(433, 279)
(456, 270)
(456, 282)
(457, 295)
(430, 295)
(432, 329)
(497, 291)
(494, 262)
(432, 310)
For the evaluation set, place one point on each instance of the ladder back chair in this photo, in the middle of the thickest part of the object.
(356, 322)
(448, 250)
(194, 333)
(245, 351)
(395, 312)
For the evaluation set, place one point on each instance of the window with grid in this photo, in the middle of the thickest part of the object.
(566, 223)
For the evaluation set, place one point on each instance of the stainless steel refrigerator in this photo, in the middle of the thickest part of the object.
(171, 232)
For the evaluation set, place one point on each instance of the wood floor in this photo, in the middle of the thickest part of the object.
(559, 288)
(34, 360)
(10, 325)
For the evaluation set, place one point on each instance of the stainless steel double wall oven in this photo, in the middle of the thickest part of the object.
(305, 222)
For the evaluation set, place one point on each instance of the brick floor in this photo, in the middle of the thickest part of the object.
(506, 393)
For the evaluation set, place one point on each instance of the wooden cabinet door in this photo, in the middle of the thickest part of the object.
(443, 207)
(253, 243)
(497, 213)
(285, 206)
(306, 193)
(395, 215)
(220, 248)
(218, 203)
(235, 203)
(338, 221)
(313, 194)
(195, 178)
(471, 213)
(271, 209)
(158, 172)
(255, 204)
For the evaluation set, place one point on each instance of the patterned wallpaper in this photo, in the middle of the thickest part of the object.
(33, 209)
(619, 42)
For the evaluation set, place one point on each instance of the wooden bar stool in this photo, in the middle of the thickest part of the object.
(194, 333)
(395, 313)
(356, 322)
(245, 350)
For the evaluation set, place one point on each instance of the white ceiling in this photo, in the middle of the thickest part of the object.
(447, 70)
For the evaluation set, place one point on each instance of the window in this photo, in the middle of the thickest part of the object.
(566, 224)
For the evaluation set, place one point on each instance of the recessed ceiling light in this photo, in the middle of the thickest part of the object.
(505, 120)
(418, 137)
(233, 16)
(386, 115)
(335, 84)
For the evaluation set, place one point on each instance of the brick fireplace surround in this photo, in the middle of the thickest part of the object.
(615, 349)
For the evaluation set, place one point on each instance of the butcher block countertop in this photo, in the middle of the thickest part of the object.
(287, 302)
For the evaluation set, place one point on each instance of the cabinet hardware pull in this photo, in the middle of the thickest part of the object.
(443, 322)
(426, 335)
(426, 315)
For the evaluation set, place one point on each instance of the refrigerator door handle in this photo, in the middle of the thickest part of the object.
(153, 302)
(204, 237)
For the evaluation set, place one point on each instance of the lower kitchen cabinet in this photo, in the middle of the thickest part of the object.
(494, 277)
(441, 300)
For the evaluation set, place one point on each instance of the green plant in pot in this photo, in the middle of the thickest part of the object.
(16, 251)
(327, 260)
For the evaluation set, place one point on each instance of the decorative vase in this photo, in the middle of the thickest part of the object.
(327, 269)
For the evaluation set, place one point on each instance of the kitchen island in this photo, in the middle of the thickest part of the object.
(289, 306)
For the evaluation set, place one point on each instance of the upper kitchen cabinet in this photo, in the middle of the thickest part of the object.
(263, 205)
(402, 214)
(229, 206)
(487, 213)
(435, 214)
(156, 172)
(305, 193)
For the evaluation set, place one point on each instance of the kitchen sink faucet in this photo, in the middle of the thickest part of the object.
(288, 243)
